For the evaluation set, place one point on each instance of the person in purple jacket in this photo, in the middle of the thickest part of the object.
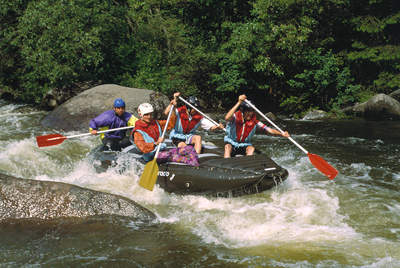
(115, 118)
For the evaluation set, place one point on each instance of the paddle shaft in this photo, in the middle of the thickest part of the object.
(197, 110)
(165, 130)
(87, 134)
(272, 123)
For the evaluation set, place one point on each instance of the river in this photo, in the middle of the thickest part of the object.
(307, 221)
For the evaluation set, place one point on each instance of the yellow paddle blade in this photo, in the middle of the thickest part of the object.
(149, 175)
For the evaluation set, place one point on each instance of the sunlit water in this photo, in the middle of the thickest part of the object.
(308, 221)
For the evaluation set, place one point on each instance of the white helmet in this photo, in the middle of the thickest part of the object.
(145, 108)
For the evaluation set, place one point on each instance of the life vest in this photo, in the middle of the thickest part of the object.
(183, 126)
(240, 132)
(151, 133)
(110, 120)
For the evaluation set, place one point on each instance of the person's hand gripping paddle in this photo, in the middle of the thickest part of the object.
(316, 160)
(150, 172)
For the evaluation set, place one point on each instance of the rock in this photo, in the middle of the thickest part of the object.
(57, 96)
(5, 95)
(75, 114)
(379, 107)
(315, 115)
(271, 116)
(23, 198)
(395, 95)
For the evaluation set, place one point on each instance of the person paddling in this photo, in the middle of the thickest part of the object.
(188, 121)
(115, 118)
(147, 132)
(241, 127)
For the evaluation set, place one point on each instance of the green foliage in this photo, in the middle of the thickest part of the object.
(324, 83)
(375, 50)
(62, 42)
(305, 54)
(387, 82)
(10, 62)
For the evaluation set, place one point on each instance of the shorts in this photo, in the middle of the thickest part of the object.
(238, 150)
(115, 144)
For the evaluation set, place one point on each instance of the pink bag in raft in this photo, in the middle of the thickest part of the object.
(186, 155)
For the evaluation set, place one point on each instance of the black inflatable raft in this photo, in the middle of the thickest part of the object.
(216, 176)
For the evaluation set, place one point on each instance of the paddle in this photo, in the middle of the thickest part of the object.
(197, 110)
(316, 160)
(54, 139)
(150, 172)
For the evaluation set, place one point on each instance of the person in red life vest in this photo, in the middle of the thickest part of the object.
(147, 131)
(241, 126)
(115, 118)
(188, 121)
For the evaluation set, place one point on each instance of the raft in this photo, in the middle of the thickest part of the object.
(215, 176)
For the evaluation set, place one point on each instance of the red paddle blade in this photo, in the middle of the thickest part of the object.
(50, 140)
(323, 166)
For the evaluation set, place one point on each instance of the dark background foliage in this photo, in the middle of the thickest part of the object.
(285, 54)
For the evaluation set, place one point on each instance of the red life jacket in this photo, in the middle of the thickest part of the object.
(243, 129)
(151, 128)
(186, 125)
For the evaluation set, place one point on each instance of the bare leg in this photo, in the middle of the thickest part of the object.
(228, 150)
(196, 140)
(250, 150)
(181, 144)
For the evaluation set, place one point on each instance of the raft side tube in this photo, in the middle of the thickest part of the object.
(222, 175)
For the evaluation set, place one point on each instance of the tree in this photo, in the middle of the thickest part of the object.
(62, 42)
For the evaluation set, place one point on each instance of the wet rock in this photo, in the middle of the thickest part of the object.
(378, 107)
(31, 199)
(76, 113)
(57, 96)
(316, 115)
(395, 95)
(271, 116)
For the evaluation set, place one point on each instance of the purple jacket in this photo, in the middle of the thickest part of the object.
(109, 120)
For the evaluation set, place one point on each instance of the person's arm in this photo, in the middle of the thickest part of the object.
(210, 126)
(215, 127)
(272, 131)
(171, 123)
(229, 115)
(99, 121)
(174, 102)
(144, 147)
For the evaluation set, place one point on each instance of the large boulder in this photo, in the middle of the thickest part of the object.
(76, 113)
(395, 95)
(379, 107)
(24, 199)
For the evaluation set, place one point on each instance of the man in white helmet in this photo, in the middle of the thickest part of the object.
(147, 131)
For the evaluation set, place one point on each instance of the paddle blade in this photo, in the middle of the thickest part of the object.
(323, 166)
(50, 140)
(149, 175)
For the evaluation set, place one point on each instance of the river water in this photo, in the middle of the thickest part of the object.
(308, 221)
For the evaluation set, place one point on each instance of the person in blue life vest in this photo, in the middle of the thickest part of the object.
(115, 118)
(147, 132)
(241, 127)
(188, 121)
